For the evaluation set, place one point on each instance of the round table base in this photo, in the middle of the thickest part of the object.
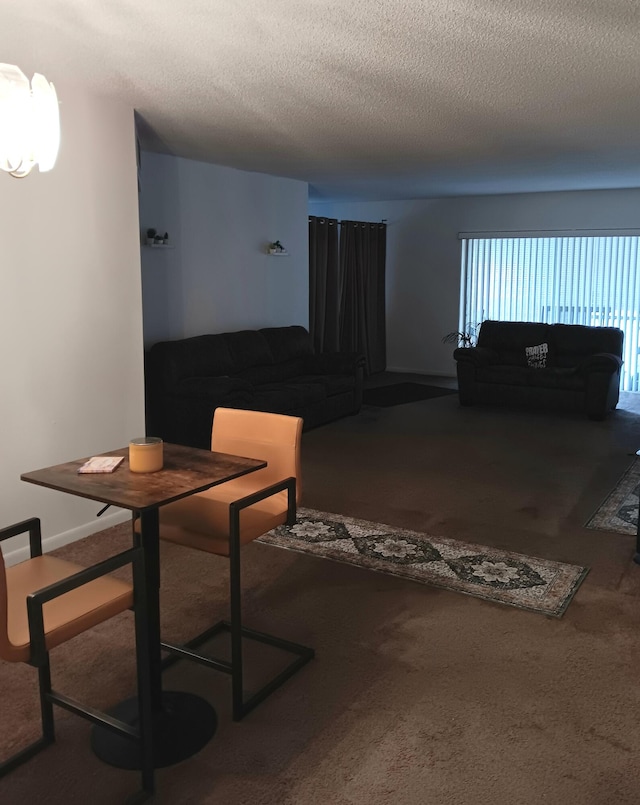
(183, 726)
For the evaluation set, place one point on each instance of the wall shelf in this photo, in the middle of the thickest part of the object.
(159, 246)
(274, 253)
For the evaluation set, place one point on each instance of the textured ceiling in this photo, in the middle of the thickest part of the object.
(362, 98)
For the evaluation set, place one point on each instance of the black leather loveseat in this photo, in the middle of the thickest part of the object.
(273, 369)
(568, 366)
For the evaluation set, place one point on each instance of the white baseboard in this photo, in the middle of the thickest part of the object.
(66, 537)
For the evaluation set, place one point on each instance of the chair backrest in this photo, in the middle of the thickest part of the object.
(257, 434)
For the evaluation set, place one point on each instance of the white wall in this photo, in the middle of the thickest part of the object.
(70, 312)
(423, 255)
(218, 278)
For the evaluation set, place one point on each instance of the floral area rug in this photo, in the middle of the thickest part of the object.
(537, 585)
(619, 512)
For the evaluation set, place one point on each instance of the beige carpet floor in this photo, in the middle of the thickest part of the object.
(417, 695)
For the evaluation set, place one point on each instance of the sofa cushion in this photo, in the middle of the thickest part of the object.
(199, 356)
(509, 339)
(287, 343)
(574, 342)
(258, 375)
(284, 397)
(557, 378)
(248, 348)
(504, 373)
(207, 387)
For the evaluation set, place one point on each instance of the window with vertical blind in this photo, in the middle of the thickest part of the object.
(592, 280)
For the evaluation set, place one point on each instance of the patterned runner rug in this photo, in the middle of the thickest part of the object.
(538, 585)
(619, 512)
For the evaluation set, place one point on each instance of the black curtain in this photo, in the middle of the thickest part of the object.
(362, 295)
(324, 284)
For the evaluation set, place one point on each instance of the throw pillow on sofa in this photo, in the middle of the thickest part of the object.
(537, 356)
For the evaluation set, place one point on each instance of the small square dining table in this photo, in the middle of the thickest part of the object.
(181, 722)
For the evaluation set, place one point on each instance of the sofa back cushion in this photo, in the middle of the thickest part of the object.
(288, 343)
(574, 342)
(510, 339)
(258, 356)
(248, 348)
(199, 356)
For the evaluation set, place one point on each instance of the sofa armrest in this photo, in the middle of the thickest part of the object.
(481, 356)
(335, 363)
(601, 362)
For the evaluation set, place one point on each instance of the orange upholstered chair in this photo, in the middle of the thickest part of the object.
(229, 515)
(45, 601)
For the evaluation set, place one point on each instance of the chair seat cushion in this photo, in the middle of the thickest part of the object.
(201, 521)
(66, 616)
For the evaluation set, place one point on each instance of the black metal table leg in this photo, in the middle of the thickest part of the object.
(181, 723)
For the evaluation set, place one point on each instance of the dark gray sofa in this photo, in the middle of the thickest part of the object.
(578, 367)
(274, 369)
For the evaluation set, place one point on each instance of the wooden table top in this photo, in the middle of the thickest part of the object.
(186, 470)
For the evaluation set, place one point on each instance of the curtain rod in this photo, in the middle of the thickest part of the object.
(330, 220)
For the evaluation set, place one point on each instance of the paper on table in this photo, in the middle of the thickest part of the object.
(101, 464)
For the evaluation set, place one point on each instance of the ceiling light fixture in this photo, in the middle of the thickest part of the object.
(29, 122)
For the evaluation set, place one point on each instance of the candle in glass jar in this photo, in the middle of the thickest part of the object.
(145, 454)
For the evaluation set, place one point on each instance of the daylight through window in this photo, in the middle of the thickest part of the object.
(571, 280)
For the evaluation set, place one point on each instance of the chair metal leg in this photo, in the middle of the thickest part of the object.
(46, 705)
(23, 755)
(242, 706)
(39, 657)
(48, 730)
(235, 594)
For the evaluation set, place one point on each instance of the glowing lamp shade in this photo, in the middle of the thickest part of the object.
(29, 122)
